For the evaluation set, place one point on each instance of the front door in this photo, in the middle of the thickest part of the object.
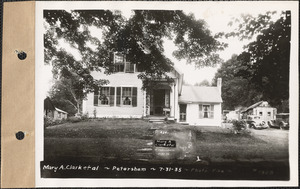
(158, 101)
(182, 112)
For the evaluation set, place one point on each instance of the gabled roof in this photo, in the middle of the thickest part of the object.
(59, 110)
(256, 105)
(48, 105)
(198, 94)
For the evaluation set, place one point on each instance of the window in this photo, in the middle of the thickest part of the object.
(269, 113)
(119, 61)
(260, 113)
(129, 68)
(104, 96)
(121, 65)
(206, 111)
(127, 96)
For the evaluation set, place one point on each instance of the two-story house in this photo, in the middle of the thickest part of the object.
(123, 97)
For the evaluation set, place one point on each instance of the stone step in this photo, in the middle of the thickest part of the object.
(171, 118)
(144, 150)
(184, 123)
(157, 122)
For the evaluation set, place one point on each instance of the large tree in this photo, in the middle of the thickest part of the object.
(236, 90)
(139, 37)
(266, 60)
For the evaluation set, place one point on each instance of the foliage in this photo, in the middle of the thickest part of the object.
(140, 37)
(68, 92)
(205, 82)
(249, 25)
(239, 125)
(50, 121)
(74, 119)
(236, 90)
(265, 61)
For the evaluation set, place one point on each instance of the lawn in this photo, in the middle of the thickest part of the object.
(132, 140)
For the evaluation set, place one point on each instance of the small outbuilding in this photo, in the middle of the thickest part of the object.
(201, 105)
(52, 112)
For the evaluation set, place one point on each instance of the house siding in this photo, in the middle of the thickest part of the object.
(192, 115)
(117, 80)
(265, 111)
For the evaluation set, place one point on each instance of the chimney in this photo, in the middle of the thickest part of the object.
(219, 85)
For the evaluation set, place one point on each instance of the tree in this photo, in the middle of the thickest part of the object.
(205, 82)
(140, 38)
(68, 92)
(266, 60)
(236, 90)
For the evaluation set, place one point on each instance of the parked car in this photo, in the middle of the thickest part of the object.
(256, 122)
(281, 121)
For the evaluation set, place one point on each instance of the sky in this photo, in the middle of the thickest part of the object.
(217, 18)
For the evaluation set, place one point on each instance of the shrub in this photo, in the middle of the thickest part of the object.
(85, 116)
(74, 119)
(48, 121)
(238, 125)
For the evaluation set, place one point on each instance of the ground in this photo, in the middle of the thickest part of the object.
(118, 140)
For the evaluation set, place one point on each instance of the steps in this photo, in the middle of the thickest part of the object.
(159, 119)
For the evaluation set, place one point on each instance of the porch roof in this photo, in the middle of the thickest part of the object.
(197, 94)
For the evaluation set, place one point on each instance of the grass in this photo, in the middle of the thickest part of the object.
(116, 139)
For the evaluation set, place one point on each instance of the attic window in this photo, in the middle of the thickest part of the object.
(121, 65)
(119, 61)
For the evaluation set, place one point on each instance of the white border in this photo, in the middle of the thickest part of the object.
(40, 83)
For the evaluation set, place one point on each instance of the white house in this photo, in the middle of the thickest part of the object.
(201, 105)
(123, 97)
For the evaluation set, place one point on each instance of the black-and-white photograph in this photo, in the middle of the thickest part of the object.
(198, 92)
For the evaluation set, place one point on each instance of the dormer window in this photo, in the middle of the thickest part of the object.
(119, 61)
(121, 65)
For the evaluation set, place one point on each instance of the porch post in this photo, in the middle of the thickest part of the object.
(145, 103)
(176, 116)
(172, 100)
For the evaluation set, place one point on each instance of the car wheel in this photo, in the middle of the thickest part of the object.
(281, 126)
(253, 126)
(269, 123)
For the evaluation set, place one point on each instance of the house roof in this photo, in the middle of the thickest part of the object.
(193, 94)
(256, 105)
(48, 105)
(59, 110)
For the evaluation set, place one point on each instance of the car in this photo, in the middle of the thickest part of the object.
(281, 121)
(256, 122)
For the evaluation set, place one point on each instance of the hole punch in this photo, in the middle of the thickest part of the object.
(20, 135)
(21, 55)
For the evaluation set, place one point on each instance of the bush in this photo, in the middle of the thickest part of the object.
(85, 116)
(74, 119)
(238, 125)
(50, 121)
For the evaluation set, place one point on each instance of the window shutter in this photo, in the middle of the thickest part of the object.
(112, 96)
(212, 111)
(118, 96)
(112, 57)
(134, 96)
(200, 111)
(96, 97)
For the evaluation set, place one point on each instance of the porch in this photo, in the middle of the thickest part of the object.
(162, 101)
